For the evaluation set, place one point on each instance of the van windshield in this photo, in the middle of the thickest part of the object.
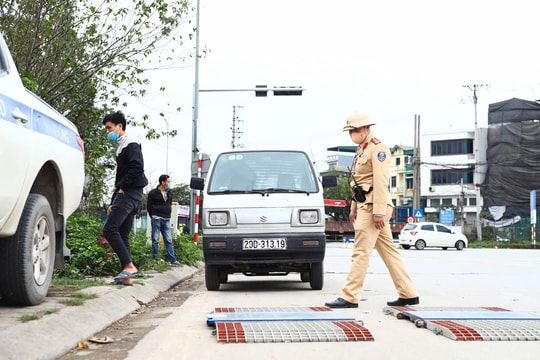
(263, 171)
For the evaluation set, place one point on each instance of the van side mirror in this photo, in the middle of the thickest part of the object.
(196, 183)
(329, 181)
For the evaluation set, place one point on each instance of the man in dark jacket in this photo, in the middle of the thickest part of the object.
(159, 207)
(128, 191)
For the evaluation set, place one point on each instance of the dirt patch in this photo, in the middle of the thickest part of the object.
(62, 290)
(123, 335)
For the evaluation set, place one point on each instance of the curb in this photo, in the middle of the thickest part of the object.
(56, 334)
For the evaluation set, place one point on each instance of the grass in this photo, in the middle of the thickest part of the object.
(78, 299)
(36, 316)
(491, 244)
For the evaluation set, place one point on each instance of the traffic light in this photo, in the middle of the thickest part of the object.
(288, 91)
(278, 90)
(262, 93)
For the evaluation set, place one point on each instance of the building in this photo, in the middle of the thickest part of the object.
(342, 160)
(513, 157)
(451, 169)
(402, 175)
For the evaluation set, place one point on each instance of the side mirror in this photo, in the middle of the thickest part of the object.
(196, 183)
(329, 181)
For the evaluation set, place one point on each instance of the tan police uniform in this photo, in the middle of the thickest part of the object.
(371, 171)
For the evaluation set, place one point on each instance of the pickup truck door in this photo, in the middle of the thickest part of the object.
(15, 129)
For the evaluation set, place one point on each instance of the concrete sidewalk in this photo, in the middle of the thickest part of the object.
(56, 333)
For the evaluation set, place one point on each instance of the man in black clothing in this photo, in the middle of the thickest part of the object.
(128, 191)
(159, 206)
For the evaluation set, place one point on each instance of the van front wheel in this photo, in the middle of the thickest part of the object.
(316, 276)
(211, 277)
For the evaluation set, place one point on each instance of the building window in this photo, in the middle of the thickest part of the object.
(409, 183)
(407, 160)
(472, 201)
(435, 203)
(454, 176)
(398, 161)
(447, 201)
(452, 147)
(393, 181)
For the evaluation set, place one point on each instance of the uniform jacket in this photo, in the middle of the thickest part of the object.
(129, 166)
(371, 169)
(156, 204)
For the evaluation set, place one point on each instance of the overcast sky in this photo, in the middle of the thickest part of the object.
(391, 59)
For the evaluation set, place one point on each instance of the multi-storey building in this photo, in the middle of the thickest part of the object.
(450, 173)
(401, 175)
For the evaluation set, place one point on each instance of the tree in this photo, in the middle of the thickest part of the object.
(340, 192)
(181, 194)
(84, 56)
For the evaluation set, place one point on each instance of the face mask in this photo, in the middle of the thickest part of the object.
(358, 138)
(112, 136)
(168, 187)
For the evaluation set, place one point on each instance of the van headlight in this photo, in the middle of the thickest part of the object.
(309, 217)
(218, 218)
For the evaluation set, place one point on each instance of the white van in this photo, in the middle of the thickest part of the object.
(263, 214)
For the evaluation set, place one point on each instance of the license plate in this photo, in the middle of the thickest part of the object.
(264, 244)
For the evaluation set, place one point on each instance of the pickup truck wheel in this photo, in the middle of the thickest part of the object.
(316, 276)
(211, 277)
(27, 258)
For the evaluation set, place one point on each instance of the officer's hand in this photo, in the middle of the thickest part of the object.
(352, 217)
(378, 221)
(109, 210)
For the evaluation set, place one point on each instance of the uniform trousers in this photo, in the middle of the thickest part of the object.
(366, 238)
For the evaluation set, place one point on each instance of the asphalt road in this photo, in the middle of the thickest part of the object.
(469, 278)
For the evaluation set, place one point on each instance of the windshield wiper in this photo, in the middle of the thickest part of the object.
(239, 192)
(286, 190)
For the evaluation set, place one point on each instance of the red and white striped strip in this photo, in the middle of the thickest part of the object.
(197, 202)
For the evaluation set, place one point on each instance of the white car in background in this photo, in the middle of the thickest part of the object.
(430, 234)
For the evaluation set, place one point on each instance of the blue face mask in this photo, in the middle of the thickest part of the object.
(168, 187)
(112, 136)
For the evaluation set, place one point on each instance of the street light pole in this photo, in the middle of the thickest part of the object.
(167, 124)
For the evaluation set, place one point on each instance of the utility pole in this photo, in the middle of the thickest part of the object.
(416, 163)
(195, 113)
(235, 128)
(462, 204)
(473, 88)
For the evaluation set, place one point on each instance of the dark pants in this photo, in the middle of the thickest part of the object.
(119, 223)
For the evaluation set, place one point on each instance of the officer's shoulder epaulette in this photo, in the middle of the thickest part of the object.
(375, 141)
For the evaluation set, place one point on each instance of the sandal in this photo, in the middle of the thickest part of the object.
(119, 282)
(125, 275)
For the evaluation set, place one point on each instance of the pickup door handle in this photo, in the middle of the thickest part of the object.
(19, 115)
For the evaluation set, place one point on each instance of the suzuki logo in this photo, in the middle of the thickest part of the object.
(263, 219)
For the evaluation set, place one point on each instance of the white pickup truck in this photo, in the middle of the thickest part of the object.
(41, 183)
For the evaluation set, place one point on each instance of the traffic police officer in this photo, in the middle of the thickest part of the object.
(371, 210)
